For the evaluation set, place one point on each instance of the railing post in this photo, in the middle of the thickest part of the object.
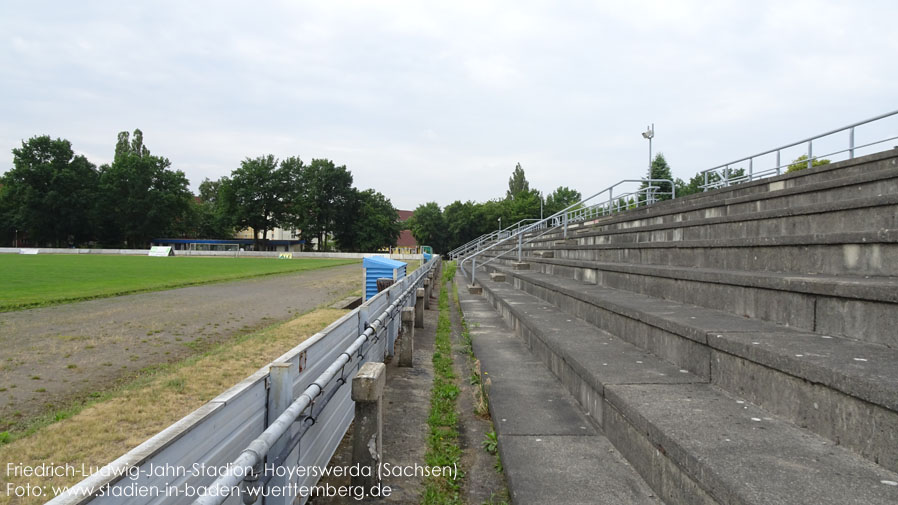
(810, 154)
(778, 166)
(367, 434)
(520, 244)
(726, 176)
(751, 171)
(427, 292)
(419, 308)
(392, 328)
(565, 225)
(407, 344)
(851, 143)
(473, 269)
(280, 396)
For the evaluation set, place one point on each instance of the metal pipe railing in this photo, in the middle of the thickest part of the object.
(726, 169)
(574, 213)
(254, 454)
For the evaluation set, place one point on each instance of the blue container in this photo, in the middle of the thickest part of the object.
(378, 267)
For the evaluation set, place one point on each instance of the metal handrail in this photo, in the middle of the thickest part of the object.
(460, 250)
(255, 453)
(725, 180)
(575, 213)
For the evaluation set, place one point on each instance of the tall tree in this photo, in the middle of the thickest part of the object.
(560, 199)
(661, 170)
(49, 192)
(461, 224)
(429, 227)
(372, 223)
(140, 197)
(257, 195)
(517, 183)
(326, 191)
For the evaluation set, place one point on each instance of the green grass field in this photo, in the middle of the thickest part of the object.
(31, 281)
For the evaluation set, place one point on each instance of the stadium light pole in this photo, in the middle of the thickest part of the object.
(649, 133)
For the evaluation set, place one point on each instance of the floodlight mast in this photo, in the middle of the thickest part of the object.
(649, 133)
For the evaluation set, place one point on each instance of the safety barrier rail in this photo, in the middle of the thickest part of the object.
(232, 436)
(746, 169)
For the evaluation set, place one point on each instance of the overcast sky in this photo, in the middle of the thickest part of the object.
(437, 101)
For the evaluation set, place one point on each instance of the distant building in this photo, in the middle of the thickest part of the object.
(406, 243)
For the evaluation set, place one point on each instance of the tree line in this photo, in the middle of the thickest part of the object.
(460, 222)
(54, 197)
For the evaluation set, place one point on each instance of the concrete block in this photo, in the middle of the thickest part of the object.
(407, 342)
(475, 290)
(367, 433)
(520, 265)
(544, 254)
(497, 277)
(368, 384)
(419, 308)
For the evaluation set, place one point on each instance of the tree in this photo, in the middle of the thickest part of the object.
(324, 195)
(461, 225)
(140, 198)
(560, 199)
(49, 192)
(801, 163)
(517, 183)
(257, 195)
(660, 170)
(429, 227)
(373, 223)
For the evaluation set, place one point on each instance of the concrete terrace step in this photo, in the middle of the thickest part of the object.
(695, 444)
(852, 306)
(859, 253)
(842, 389)
(860, 214)
(692, 448)
(551, 452)
(869, 184)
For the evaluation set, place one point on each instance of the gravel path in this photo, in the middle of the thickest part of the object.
(52, 356)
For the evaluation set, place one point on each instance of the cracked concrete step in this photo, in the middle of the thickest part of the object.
(858, 307)
(551, 452)
(843, 389)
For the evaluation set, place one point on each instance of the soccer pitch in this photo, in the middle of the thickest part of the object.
(39, 280)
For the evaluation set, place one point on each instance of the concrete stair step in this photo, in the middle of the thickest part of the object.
(839, 388)
(861, 307)
(860, 214)
(866, 185)
(857, 253)
(551, 452)
(696, 444)
(674, 449)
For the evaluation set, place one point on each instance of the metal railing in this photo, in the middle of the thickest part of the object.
(242, 429)
(725, 174)
(577, 213)
(487, 237)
